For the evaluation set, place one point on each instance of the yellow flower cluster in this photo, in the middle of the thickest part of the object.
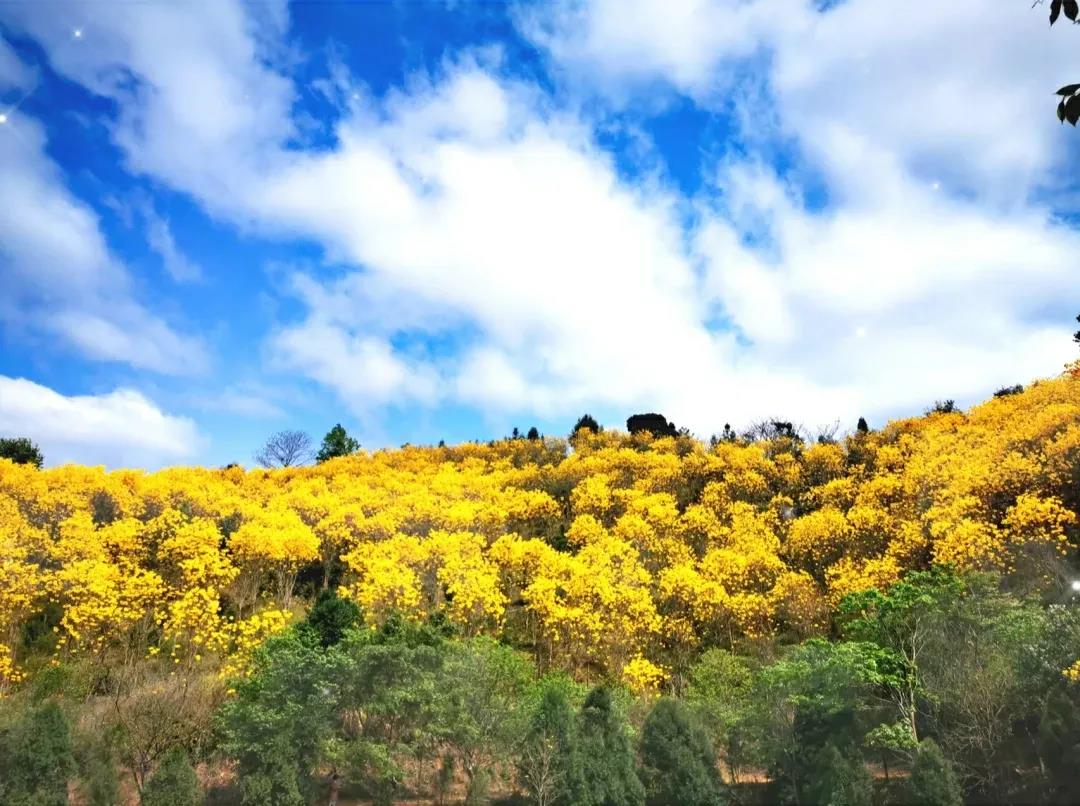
(618, 556)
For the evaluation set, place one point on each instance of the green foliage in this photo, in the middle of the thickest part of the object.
(37, 759)
(1059, 742)
(942, 407)
(278, 722)
(585, 422)
(479, 713)
(610, 777)
(337, 442)
(719, 688)
(550, 764)
(678, 766)
(812, 699)
(1009, 391)
(174, 783)
(329, 618)
(932, 781)
(21, 451)
(98, 777)
(655, 424)
(842, 780)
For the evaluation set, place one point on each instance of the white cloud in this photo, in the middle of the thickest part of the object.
(497, 257)
(363, 370)
(622, 45)
(59, 276)
(904, 302)
(196, 104)
(245, 400)
(119, 429)
(945, 91)
(159, 238)
(14, 75)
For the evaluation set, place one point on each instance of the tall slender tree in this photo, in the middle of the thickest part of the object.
(610, 777)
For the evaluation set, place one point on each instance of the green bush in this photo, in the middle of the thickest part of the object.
(173, 783)
(678, 765)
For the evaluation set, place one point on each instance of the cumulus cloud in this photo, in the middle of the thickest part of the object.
(942, 90)
(621, 46)
(479, 215)
(121, 428)
(59, 276)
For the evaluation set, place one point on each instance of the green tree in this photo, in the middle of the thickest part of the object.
(98, 780)
(395, 682)
(903, 622)
(174, 783)
(975, 694)
(932, 781)
(337, 442)
(809, 701)
(21, 451)
(37, 759)
(842, 780)
(610, 777)
(720, 688)
(586, 422)
(481, 716)
(279, 723)
(329, 618)
(678, 765)
(550, 765)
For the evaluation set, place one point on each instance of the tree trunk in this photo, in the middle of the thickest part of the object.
(335, 788)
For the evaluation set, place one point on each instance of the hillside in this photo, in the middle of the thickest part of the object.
(613, 558)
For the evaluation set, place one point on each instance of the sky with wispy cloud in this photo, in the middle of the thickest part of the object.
(438, 221)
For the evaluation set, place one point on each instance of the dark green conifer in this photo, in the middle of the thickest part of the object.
(678, 766)
(608, 756)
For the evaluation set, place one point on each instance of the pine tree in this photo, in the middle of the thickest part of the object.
(97, 775)
(586, 422)
(337, 442)
(933, 781)
(21, 451)
(610, 776)
(842, 780)
(550, 764)
(330, 617)
(37, 759)
(678, 762)
(173, 783)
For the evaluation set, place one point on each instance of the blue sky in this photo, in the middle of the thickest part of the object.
(441, 220)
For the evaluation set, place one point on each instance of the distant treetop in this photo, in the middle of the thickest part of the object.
(337, 442)
(588, 422)
(21, 451)
(285, 449)
(656, 424)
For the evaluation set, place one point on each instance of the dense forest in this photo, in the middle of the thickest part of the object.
(886, 616)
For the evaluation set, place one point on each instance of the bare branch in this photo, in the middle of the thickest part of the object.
(286, 449)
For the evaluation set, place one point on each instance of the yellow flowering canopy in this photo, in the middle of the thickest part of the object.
(613, 559)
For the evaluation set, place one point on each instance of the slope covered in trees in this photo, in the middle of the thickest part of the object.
(853, 598)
